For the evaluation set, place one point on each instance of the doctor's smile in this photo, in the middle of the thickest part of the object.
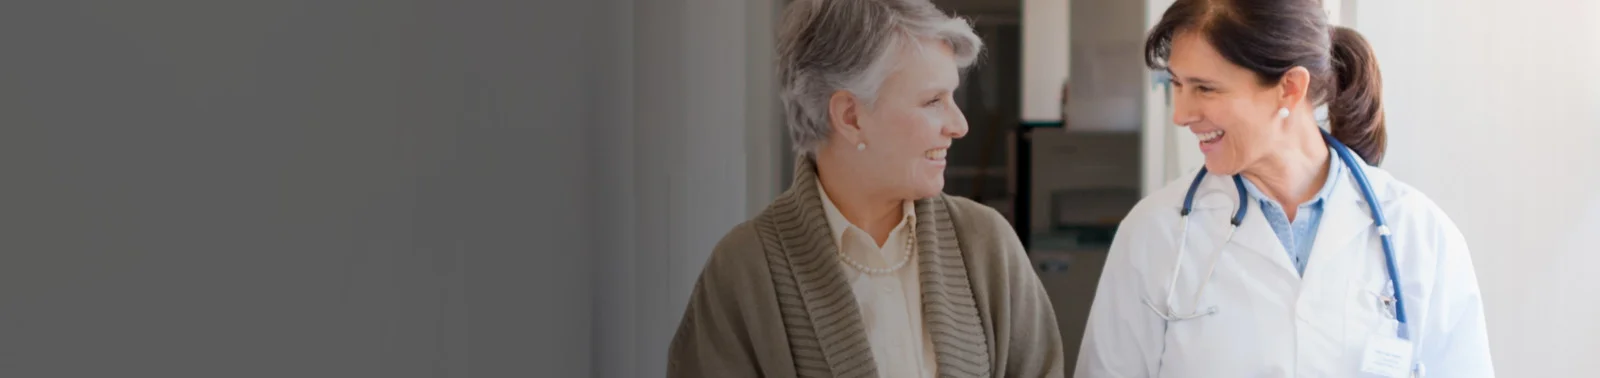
(1208, 140)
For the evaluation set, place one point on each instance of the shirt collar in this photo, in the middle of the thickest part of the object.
(1335, 171)
(838, 224)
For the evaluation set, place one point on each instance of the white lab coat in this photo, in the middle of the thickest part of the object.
(1271, 321)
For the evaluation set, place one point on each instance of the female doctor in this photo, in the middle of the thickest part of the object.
(1282, 256)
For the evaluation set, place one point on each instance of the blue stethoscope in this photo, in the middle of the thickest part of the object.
(1238, 217)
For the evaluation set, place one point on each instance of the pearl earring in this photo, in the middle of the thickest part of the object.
(1283, 112)
(861, 146)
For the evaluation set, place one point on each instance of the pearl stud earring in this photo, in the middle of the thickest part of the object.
(861, 146)
(1283, 112)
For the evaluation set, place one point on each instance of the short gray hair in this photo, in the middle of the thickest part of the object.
(829, 45)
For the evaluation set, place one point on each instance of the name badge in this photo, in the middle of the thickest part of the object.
(1387, 356)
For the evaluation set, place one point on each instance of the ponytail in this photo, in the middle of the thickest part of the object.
(1355, 107)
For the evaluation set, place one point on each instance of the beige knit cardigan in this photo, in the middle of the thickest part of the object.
(773, 300)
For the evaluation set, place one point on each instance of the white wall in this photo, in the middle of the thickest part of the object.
(1494, 111)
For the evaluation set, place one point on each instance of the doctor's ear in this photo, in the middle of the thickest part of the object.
(1295, 84)
(844, 111)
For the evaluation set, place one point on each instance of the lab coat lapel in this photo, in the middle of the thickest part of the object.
(1253, 234)
(1345, 218)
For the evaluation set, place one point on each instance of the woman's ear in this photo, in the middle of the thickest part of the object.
(844, 116)
(1296, 83)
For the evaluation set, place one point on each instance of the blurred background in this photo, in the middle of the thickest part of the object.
(410, 188)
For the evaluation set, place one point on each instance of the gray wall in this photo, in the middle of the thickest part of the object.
(693, 150)
(346, 188)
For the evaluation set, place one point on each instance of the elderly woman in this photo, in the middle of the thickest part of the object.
(863, 268)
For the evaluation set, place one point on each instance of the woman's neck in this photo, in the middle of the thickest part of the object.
(875, 214)
(1293, 175)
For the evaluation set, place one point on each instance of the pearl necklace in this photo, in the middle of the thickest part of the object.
(911, 245)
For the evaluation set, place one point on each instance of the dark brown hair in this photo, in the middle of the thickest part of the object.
(1270, 37)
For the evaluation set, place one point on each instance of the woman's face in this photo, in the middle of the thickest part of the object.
(910, 126)
(1224, 105)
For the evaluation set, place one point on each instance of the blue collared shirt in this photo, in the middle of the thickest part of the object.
(1297, 236)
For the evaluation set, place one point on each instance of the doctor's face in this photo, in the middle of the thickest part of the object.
(1226, 106)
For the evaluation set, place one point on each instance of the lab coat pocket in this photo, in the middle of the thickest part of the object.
(1369, 314)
